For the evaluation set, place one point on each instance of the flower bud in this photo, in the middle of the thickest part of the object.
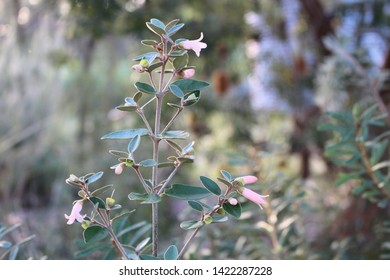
(208, 219)
(119, 169)
(85, 224)
(144, 63)
(138, 68)
(186, 73)
(81, 193)
(110, 201)
(232, 201)
(221, 211)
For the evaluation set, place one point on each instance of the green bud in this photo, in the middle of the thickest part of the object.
(81, 193)
(208, 219)
(144, 63)
(85, 224)
(221, 211)
(110, 201)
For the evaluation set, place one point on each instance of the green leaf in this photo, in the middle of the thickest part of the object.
(175, 134)
(126, 134)
(137, 96)
(101, 190)
(149, 42)
(119, 154)
(174, 29)
(154, 66)
(166, 164)
(378, 151)
(187, 85)
(224, 181)
(171, 24)
(195, 205)
(171, 253)
(94, 177)
(148, 163)
(158, 23)
(126, 108)
(154, 29)
(142, 244)
(94, 233)
(219, 218)
(345, 177)
(174, 145)
(234, 210)
(180, 62)
(134, 144)
(187, 192)
(185, 160)
(146, 88)
(226, 175)
(210, 185)
(122, 215)
(187, 225)
(177, 53)
(97, 200)
(145, 198)
(191, 98)
(150, 57)
(176, 91)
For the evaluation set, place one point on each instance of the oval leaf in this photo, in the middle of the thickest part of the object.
(187, 85)
(126, 134)
(134, 144)
(147, 163)
(233, 210)
(175, 134)
(158, 23)
(187, 225)
(146, 88)
(145, 198)
(187, 192)
(174, 29)
(94, 177)
(196, 205)
(94, 233)
(210, 185)
(96, 200)
(176, 91)
(171, 253)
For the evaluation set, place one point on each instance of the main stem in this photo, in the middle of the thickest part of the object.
(156, 142)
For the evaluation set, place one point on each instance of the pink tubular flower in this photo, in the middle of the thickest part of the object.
(253, 196)
(195, 45)
(249, 179)
(75, 214)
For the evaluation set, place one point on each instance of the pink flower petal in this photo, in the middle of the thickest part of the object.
(75, 214)
(195, 45)
(253, 196)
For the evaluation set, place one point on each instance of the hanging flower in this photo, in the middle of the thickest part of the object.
(75, 214)
(195, 45)
(253, 196)
(248, 193)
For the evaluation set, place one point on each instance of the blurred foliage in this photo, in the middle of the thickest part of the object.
(66, 64)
